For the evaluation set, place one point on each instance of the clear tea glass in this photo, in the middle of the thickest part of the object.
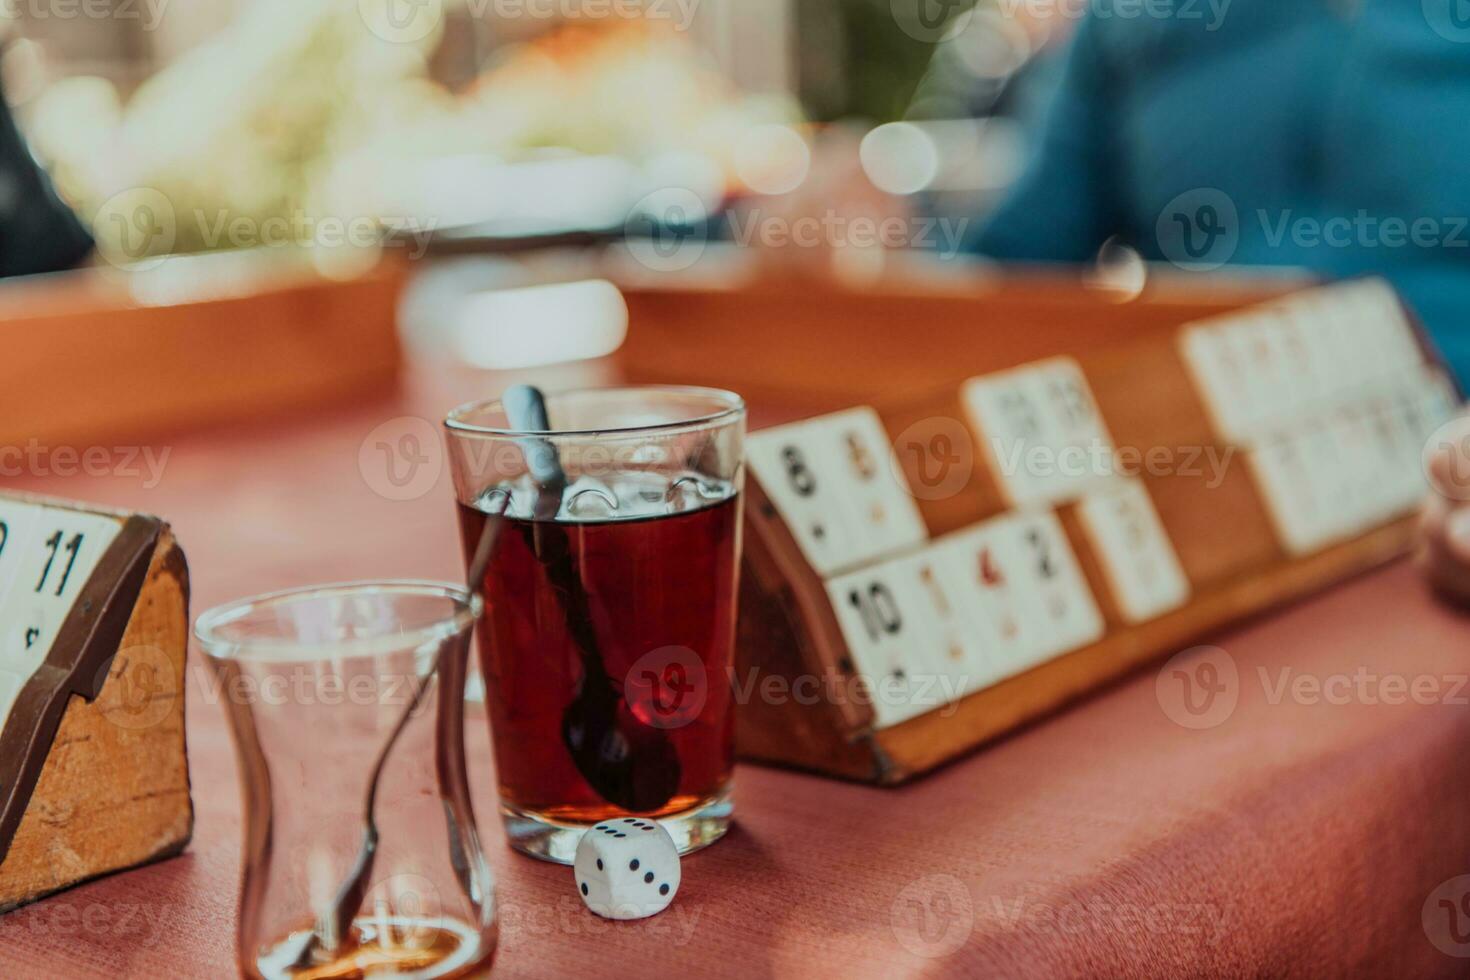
(608, 640)
(315, 682)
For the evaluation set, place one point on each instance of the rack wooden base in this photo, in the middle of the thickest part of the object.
(861, 572)
(809, 738)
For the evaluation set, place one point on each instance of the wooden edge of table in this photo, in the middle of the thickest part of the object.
(190, 357)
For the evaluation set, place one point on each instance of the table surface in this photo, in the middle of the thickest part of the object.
(1301, 835)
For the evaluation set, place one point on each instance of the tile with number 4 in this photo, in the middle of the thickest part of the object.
(986, 573)
(957, 644)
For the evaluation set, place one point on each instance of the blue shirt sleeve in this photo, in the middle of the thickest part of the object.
(1063, 207)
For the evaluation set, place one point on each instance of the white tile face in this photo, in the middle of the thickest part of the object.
(1383, 325)
(1304, 376)
(883, 623)
(1020, 575)
(1264, 356)
(957, 643)
(1041, 430)
(879, 509)
(802, 481)
(1332, 478)
(1266, 369)
(1340, 474)
(1049, 569)
(1134, 550)
(47, 556)
(1011, 427)
(17, 520)
(1396, 456)
(1218, 370)
(991, 566)
(1283, 477)
(834, 482)
(1330, 362)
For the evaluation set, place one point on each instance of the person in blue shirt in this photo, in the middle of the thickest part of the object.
(1330, 135)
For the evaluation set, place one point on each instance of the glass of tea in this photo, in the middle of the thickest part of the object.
(608, 639)
(345, 701)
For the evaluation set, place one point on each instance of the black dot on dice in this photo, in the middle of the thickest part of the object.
(620, 835)
(629, 820)
(599, 864)
(648, 878)
(584, 888)
(663, 889)
(633, 865)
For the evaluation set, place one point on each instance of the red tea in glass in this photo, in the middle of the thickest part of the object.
(608, 637)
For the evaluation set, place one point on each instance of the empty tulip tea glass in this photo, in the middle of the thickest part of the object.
(361, 853)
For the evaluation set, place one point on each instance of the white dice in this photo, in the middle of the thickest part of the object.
(627, 868)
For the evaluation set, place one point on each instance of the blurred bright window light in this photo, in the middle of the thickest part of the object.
(535, 325)
(772, 159)
(900, 158)
(695, 172)
(993, 45)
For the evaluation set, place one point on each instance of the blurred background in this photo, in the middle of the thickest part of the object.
(523, 142)
(506, 122)
(520, 143)
(437, 108)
